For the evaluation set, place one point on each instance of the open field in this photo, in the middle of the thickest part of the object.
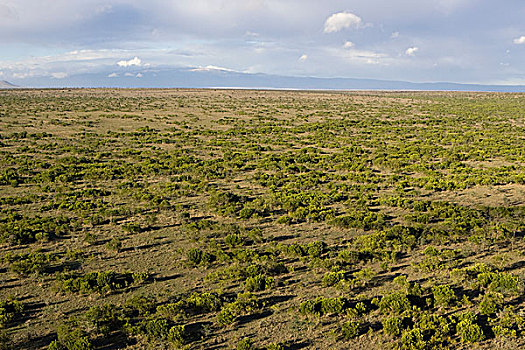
(223, 219)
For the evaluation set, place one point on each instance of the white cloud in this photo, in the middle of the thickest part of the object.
(411, 51)
(133, 62)
(394, 35)
(59, 75)
(210, 68)
(139, 75)
(129, 74)
(359, 56)
(520, 40)
(113, 75)
(348, 45)
(303, 58)
(340, 21)
(24, 75)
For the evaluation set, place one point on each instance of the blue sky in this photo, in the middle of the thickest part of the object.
(466, 41)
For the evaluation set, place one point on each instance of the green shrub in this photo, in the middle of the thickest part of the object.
(198, 257)
(244, 304)
(177, 335)
(156, 328)
(412, 340)
(444, 296)
(500, 282)
(491, 303)
(204, 302)
(333, 277)
(101, 282)
(393, 326)
(115, 244)
(233, 240)
(364, 276)
(508, 323)
(350, 329)
(105, 319)
(333, 305)
(316, 249)
(5, 341)
(468, 329)
(258, 283)
(408, 288)
(28, 263)
(500, 331)
(139, 277)
(244, 344)
(226, 316)
(132, 228)
(435, 328)
(71, 337)
(322, 306)
(275, 346)
(396, 303)
(10, 310)
(17, 229)
(246, 213)
(141, 304)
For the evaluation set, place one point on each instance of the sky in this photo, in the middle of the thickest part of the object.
(463, 41)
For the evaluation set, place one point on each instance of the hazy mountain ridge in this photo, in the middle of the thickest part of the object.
(7, 85)
(217, 78)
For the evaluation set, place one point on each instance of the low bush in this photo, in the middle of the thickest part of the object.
(36, 262)
(244, 304)
(10, 310)
(395, 303)
(468, 330)
(491, 303)
(444, 296)
(350, 329)
(323, 306)
(71, 337)
(393, 326)
(412, 339)
(198, 257)
(258, 283)
(332, 278)
(101, 282)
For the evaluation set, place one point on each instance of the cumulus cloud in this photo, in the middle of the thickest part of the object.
(520, 40)
(139, 75)
(348, 45)
(303, 58)
(411, 51)
(133, 62)
(113, 75)
(342, 20)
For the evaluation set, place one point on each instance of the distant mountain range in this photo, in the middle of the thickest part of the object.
(7, 85)
(214, 77)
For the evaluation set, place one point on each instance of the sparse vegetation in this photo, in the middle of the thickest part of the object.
(261, 219)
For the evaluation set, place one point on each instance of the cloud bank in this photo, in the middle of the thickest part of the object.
(341, 38)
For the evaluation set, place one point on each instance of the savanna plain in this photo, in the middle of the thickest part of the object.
(239, 219)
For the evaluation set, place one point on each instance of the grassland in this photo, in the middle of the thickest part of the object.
(217, 219)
